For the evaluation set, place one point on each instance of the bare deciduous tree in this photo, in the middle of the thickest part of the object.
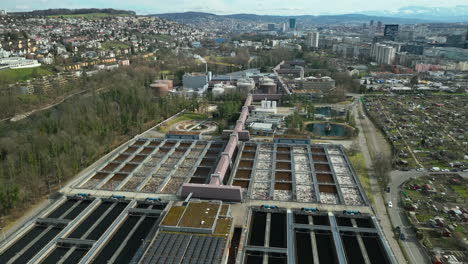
(381, 167)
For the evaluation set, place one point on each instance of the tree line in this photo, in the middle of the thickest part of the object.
(38, 154)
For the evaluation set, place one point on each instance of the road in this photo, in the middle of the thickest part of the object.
(376, 143)
(397, 213)
(411, 245)
(371, 143)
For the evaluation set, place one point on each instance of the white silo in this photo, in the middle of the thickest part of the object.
(245, 85)
(218, 91)
(229, 88)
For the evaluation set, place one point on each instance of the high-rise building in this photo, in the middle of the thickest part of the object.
(466, 39)
(283, 27)
(383, 54)
(371, 23)
(271, 27)
(292, 23)
(379, 26)
(391, 32)
(312, 39)
(3, 13)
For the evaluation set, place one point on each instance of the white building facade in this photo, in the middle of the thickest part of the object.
(383, 54)
(18, 63)
(312, 39)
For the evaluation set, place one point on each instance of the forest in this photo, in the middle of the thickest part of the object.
(39, 154)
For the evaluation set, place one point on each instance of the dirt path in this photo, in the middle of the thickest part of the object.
(22, 116)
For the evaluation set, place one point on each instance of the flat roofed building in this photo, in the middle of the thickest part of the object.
(198, 232)
(18, 63)
(324, 84)
(195, 81)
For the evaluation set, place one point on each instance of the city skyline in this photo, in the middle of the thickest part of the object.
(261, 7)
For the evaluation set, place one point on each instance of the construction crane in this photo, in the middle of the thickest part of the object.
(225, 64)
(200, 58)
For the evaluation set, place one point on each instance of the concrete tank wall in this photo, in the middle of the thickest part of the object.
(159, 89)
(170, 84)
(268, 88)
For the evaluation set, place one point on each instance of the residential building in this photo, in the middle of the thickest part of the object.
(312, 39)
(383, 54)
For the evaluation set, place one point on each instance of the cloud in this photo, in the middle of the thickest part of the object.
(271, 7)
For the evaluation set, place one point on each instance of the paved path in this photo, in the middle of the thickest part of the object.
(373, 142)
(411, 245)
(368, 137)
(398, 214)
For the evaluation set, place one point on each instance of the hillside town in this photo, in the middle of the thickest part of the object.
(203, 138)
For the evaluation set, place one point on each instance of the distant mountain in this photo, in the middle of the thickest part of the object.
(199, 19)
(82, 11)
(440, 14)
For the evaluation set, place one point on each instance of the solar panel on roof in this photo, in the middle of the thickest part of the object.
(190, 250)
(169, 248)
(182, 249)
(204, 251)
(212, 249)
(199, 247)
(157, 248)
(219, 249)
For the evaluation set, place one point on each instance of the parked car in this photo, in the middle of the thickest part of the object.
(390, 204)
(387, 189)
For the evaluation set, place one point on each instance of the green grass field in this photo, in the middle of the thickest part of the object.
(422, 218)
(112, 44)
(460, 190)
(91, 16)
(359, 164)
(18, 75)
(185, 117)
(163, 37)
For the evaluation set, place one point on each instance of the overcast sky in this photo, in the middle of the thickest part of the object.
(270, 7)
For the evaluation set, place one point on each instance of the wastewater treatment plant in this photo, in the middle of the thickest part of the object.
(184, 199)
